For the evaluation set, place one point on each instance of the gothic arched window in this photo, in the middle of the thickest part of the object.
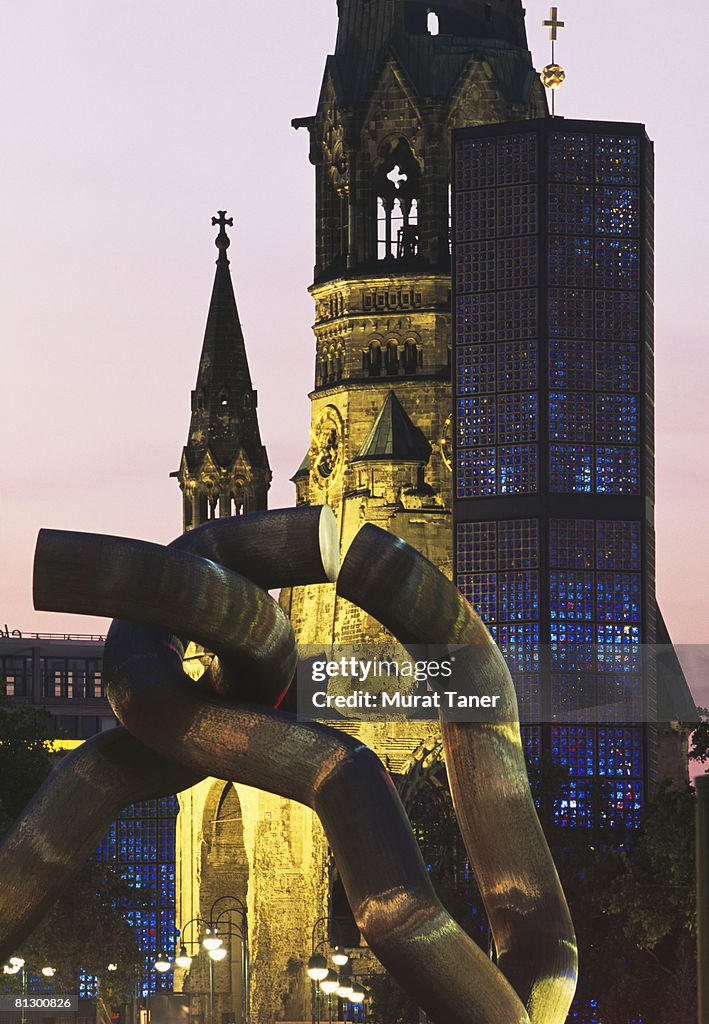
(375, 359)
(392, 358)
(398, 182)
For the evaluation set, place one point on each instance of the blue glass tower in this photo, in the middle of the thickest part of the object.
(553, 386)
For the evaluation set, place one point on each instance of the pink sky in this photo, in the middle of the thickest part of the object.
(126, 126)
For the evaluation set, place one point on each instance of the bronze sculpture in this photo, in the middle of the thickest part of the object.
(176, 733)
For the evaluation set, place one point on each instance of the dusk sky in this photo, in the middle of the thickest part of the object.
(125, 127)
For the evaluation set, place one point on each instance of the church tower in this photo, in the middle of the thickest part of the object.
(404, 74)
(224, 467)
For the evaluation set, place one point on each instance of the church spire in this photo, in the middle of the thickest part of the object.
(224, 468)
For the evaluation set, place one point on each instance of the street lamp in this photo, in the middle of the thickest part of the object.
(317, 967)
(183, 959)
(339, 957)
(357, 994)
(344, 984)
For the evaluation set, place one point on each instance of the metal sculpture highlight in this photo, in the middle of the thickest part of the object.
(176, 732)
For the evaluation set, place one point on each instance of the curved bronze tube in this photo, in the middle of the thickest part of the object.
(525, 904)
(90, 786)
(384, 876)
(66, 818)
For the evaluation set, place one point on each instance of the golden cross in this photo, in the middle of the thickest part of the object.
(553, 24)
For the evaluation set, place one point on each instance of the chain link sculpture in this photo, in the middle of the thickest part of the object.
(210, 586)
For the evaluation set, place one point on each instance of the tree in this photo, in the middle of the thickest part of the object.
(85, 929)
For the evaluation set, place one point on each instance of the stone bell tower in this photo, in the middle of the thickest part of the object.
(403, 75)
(224, 467)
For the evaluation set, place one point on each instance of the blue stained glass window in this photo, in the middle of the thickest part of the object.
(571, 595)
(617, 211)
(475, 162)
(620, 751)
(618, 596)
(517, 412)
(476, 472)
(531, 743)
(475, 267)
(571, 365)
(617, 418)
(475, 215)
(617, 470)
(519, 643)
(517, 262)
(570, 262)
(572, 646)
(570, 416)
(476, 420)
(571, 543)
(570, 468)
(617, 366)
(516, 158)
(519, 543)
(572, 808)
(475, 369)
(518, 469)
(573, 747)
(617, 263)
(571, 313)
(476, 318)
(621, 697)
(618, 544)
(570, 209)
(618, 315)
(618, 648)
(517, 365)
(519, 596)
(484, 595)
(618, 159)
(476, 546)
(625, 804)
(570, 157)
(517, 314)
(516, 210)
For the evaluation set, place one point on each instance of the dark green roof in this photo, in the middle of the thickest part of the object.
(394, 437)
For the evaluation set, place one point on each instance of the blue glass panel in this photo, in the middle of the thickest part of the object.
(518, 469)
(617, 418)
(475, 369)
(618, 315)
(617, 160)
(571, 313)
(519, 596)
(617, 211)
(618, 596)
(571, 595)
(570, 416)
(516, 263)
(516, 210)
(571, 543)
(475, 267)
(517, 416)
(571, 365)
(475, 215)
(476, 319)
(476, 472)
(570, 210)
(618, 648)
(570, 262)
(516, 158)
(572, 646)
(617, 470)
(519, 644)
(617, 366)
(517, 366)
(476, 547)
(517, 314)
(519, 543)
(475, 163)
(572, 809)
(570, 157)
(617, 263)
(618, 544)
(476, 421)
(574, 747)
(570, 468)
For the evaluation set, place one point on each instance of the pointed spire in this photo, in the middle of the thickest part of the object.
(393, 437)
(224, 444)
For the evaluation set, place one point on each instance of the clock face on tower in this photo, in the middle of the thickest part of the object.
(326, 449)
(446, 443)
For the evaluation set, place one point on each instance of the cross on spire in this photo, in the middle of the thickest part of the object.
(553, 24)
(222, 241)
